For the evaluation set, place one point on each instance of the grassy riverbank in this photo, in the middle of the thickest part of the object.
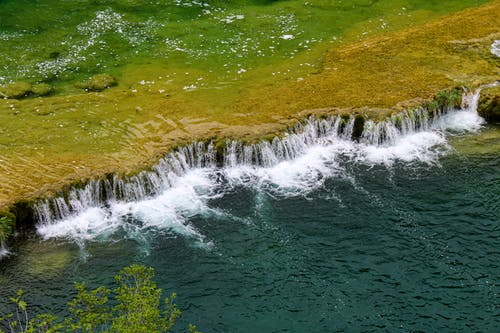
(51, 141)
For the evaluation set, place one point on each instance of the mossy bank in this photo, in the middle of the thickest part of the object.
(489, 104)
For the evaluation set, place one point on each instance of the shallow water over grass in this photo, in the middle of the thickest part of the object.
(64, 42)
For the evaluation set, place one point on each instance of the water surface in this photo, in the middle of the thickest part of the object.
(63, 42)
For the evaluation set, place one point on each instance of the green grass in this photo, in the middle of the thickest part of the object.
(7, 224)
(65, 42)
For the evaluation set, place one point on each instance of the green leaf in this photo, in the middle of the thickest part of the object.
(137, 309)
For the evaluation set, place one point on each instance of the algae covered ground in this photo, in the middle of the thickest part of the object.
(192, 70)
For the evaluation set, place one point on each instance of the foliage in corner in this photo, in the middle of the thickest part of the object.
(137, 308)
(7, 223)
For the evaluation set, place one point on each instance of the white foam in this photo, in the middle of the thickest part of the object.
(183, 183)
(409, 148)
(464, 120)
(495, 48)
(320, 162)
(3, 251)
(168, 211)
(86, 225)
(460, 121)
(295, 176)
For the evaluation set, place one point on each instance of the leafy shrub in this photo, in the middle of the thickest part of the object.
(137, 309)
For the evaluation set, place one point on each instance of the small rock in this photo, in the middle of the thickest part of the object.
(15, 90)
(101, 81)
(97, 82)
(359, 125)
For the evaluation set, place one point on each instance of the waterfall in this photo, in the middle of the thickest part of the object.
(312, 145)
(3, 251)
(495, 48)
(144, 184)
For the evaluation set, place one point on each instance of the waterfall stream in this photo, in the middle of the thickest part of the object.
(181, 183)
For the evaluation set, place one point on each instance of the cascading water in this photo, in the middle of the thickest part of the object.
(3, 251)
(181, 184)
(495, 48)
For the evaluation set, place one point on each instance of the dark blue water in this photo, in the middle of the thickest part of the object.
(411, 247)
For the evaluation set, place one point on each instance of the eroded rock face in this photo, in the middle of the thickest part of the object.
(489, 104)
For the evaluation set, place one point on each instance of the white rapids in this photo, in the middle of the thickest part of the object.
(3, 251)
(495, 48)
(181, 184)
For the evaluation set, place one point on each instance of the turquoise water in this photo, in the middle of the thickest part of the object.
(387, 242)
